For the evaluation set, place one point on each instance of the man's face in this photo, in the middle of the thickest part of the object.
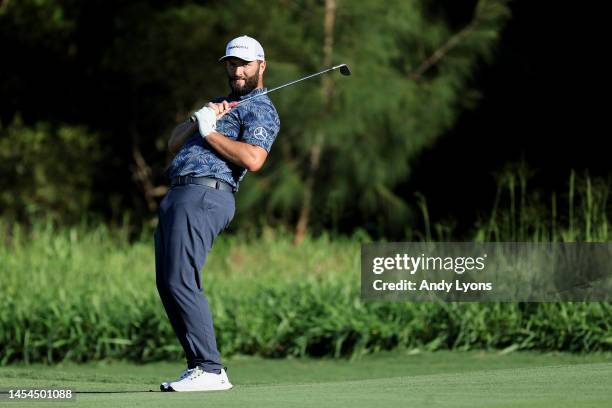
(243, 76)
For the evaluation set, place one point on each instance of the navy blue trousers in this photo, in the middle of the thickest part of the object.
(190, 218)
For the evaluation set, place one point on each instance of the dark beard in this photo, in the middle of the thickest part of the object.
(249, 84)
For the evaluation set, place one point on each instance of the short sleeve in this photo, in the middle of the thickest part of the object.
(261, 125)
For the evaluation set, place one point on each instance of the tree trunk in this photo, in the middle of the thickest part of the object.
(301, 228)
(142, 174)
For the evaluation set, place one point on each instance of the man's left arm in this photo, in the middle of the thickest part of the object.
(243, 154)
(261, 125)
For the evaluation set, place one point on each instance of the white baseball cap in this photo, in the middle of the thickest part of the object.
(245, 48)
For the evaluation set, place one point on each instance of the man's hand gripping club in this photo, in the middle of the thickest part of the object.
(249, 156)
(207, 117)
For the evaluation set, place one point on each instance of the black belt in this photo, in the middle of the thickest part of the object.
(203, 181)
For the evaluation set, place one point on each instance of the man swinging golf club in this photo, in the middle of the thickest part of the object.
(211, 160)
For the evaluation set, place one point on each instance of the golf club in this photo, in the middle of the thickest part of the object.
(344, 70)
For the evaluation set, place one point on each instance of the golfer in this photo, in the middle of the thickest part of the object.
(208, 165)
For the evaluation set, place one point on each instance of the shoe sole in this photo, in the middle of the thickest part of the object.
(170, 389)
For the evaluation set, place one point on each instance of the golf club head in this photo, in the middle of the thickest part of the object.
(344, 70)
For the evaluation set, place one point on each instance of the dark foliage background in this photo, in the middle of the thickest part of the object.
(444, 96)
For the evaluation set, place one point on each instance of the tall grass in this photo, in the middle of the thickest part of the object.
(578, 215)
(86, 293)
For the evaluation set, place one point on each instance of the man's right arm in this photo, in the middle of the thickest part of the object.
(181, 134)
(185, 130)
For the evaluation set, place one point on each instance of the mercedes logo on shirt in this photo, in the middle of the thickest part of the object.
(260, 133)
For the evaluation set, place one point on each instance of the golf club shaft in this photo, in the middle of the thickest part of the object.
(234, 104)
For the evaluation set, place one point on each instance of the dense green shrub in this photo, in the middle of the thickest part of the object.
(86, 294)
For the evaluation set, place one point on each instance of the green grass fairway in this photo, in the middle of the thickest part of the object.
(398, 379)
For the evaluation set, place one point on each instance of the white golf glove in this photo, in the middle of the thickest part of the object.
(207, 120)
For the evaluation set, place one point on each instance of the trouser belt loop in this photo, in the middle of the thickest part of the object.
(204, 181)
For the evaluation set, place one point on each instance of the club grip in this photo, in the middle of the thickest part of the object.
(231, 105)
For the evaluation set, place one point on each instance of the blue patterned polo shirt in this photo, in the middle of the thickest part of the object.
(255, 122)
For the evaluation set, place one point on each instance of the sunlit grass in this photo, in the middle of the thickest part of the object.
(88, 292)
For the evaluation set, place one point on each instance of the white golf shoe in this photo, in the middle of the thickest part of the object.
(199, 380)
(164, 386)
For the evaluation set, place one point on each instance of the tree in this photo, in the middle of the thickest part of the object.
(130, 71)
(345, 143)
